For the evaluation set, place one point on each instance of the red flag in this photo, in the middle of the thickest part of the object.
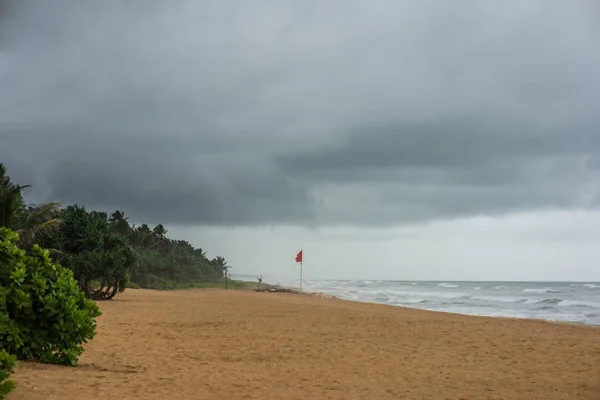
(299, 257)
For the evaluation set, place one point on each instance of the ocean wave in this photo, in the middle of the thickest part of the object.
(545, 308)
(456, 302)
(558, 302)
(499, 299)
(579, 303)
(446, 295)
(448, 285)
(592, 315)
(542, 290)
(575, 302)
(585, 285)
(553, 300)
(430, 295)
(411, 301)
(381, 299)
(363, 284)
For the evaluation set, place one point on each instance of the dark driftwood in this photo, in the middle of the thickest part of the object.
(275, 289)
(265, 287)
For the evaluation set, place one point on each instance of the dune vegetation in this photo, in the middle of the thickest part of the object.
(56, 261)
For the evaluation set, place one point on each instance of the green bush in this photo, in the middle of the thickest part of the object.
(132, 285)
(48, 318)
(7, 330)
(7, 362)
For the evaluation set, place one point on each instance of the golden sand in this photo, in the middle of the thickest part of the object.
(211, 344)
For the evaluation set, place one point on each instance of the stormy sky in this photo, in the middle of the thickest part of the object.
(393, 139)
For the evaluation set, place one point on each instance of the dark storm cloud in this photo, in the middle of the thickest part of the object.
(193, 112)
(447, 143)
(157, 179)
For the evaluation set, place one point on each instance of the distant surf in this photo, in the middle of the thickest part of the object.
(554, 301)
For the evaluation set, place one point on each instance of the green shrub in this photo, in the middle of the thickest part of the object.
(7, 330)
(48, 318)
(132, 285)
(7, 362)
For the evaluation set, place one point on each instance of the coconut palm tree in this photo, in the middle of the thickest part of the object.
(159, 232)
(120, 223)
(32, 223)
(222, 264)
(11, 199)
(36, 223)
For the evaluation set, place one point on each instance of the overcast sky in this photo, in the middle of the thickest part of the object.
(388, 139)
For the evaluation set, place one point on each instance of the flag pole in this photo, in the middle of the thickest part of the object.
(300, 275)
(299, 260)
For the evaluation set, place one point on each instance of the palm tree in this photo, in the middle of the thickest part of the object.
(11, 199)
(37, 223)
(32, 223)
(159, 232)
(222, 264)
(120, 223)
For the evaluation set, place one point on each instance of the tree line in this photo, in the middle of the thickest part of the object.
(105, 252)
(55, 261)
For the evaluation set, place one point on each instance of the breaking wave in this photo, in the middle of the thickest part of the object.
(573, 302)
(448, 285)
(542, 290)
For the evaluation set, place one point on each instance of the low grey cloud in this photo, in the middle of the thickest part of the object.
(312, 113)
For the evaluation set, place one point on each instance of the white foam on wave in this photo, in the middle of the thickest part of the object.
(428, 295)
(553, 300)
(541, 290)
(579, 303)
(499, 299)
(452, 295)
(448, 285)
(574, 303)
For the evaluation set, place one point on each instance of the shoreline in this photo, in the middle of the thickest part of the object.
(550, 321)
(322, 294)
(277, 288)
(241, 344)
(298, 291)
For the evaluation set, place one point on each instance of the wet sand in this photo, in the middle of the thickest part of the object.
(212, 344)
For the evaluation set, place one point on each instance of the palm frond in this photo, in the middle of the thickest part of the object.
(39, 222)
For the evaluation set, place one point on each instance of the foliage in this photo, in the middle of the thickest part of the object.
(160, 284)
(164, 263)
(32, 223)
(7, 362)
(11, 199)
(45, 309)
(132, 285)
(47, 317)
(36, 223)
(106, 254)
(93, 251)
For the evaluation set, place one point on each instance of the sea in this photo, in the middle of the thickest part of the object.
(576, 302)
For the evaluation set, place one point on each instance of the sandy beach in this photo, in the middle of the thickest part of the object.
(212, 344)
